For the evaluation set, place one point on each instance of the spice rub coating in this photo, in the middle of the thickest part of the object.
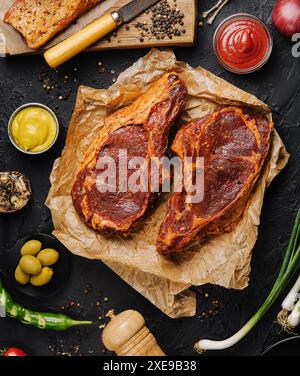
(234, 143)
(142, 129)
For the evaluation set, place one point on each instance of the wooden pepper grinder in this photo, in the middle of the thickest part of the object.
(127, 335)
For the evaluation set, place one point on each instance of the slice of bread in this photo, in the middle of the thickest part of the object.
(39, 20)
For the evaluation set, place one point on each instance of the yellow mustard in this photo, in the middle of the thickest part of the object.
(34, 129)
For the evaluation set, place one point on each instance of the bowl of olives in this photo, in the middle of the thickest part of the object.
(39, 265)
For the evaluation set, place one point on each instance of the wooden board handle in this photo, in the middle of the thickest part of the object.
(79, 41)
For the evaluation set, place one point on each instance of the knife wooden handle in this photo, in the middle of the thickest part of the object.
(79, 41)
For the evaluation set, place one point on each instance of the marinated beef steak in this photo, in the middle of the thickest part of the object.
(234, 143)
(142, 130)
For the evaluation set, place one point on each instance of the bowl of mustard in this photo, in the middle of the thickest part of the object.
(33, 128)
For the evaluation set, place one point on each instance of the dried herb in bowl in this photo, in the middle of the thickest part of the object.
(15, 191)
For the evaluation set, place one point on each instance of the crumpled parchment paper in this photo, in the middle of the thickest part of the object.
(223, 260)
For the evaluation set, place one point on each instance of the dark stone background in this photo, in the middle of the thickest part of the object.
(278, 83)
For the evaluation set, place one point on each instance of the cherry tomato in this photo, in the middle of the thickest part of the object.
(13, 351)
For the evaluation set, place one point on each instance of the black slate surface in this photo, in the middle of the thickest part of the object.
(278, 83)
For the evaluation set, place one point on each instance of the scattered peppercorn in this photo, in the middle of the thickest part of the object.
(88, 289)
(165, 22)
(55, 85)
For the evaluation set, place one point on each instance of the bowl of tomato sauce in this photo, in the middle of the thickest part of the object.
(242, 43)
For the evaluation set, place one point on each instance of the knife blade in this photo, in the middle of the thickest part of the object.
(135, 8)
(90, 34)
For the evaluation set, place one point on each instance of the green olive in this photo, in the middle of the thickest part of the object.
(42, 278)
(21, 277)
(30, 264)
(48, 256)
(32, 247)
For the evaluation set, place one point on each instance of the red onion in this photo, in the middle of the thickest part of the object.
(286, 17)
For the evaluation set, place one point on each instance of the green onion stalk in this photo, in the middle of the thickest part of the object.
(289, 316)
(290, 265)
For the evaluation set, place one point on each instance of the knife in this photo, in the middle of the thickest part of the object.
(84, 38)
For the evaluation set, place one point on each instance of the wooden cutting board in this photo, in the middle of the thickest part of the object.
(130, 37)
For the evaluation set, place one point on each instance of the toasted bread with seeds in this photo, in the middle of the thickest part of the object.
(39, 20)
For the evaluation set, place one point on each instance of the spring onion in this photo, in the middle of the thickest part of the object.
(290, 265)
(289, 316)
(289, 302)
(294, 317)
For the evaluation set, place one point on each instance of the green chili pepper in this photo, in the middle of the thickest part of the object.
(42, 320)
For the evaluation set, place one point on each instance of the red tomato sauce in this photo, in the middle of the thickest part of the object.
(243, 43)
